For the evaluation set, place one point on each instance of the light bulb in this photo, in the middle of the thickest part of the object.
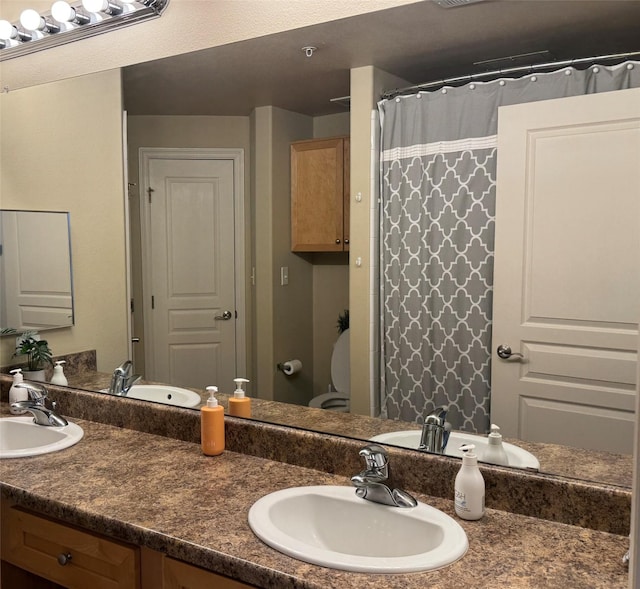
(62, 11)
(95, 5)
(7, 30)
(106, 6)
(31, 20)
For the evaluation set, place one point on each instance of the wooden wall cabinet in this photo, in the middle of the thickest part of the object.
(320, 195)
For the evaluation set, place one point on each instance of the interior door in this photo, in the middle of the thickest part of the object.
(567, 270)
(190, 314)
(36, 276)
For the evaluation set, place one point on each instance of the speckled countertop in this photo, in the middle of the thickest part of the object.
(163, 493)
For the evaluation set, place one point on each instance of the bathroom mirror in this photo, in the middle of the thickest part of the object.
(263, 72)
(36, 292)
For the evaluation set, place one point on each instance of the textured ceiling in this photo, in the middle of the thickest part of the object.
(418, 42)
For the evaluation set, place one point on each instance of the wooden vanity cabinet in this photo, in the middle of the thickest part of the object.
(320, 195)
(41, 553)
(67, 556)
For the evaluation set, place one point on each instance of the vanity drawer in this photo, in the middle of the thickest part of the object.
(41, 546)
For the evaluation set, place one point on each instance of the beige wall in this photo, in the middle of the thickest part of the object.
(61, 149)
(177, 132)
(367, 84)
(330, 280)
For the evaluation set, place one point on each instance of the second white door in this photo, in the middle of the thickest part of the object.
(190, 311)
(567, 270)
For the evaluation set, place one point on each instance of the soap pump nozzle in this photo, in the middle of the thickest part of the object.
(212, 401)
(239, 392)
(468, 454)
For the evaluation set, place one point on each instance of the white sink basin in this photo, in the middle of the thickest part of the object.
(164, 394)
(332, 527)
(20, 437)
(411, 439)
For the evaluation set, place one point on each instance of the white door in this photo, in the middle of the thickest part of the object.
(190, 287)
(36, 275)
(567, 270)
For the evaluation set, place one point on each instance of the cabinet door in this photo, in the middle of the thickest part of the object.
(179, 575)
(317, 195)
(73, 558)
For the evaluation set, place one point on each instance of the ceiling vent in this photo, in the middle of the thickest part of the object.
(455, 3)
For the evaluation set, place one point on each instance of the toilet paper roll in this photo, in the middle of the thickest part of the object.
(291, 367)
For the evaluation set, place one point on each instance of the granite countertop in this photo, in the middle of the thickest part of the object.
(164, 494)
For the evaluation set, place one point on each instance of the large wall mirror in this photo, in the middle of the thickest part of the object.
(35, 271)
(251, 84)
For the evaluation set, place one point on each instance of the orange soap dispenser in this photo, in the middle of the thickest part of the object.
(212, 425)
(240, 404)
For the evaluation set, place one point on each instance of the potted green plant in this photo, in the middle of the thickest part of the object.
(38, 354)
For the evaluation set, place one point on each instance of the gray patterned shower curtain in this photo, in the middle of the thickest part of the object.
(437, 198)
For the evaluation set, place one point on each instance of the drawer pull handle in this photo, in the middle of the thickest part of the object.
(64, 559)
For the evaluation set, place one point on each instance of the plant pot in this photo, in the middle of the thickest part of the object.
(34, 375)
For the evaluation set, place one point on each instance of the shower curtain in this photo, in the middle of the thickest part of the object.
(437, 199)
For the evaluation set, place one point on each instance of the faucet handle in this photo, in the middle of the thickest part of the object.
(438, 416)
(376, 458)
(37, 392)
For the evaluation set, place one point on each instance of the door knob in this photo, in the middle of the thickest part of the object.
(505, 352)
(225, 316)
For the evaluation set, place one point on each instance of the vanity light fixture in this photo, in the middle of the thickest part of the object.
(70, 22)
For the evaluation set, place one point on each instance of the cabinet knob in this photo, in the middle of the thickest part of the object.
(64, 559)
(346, 241)
(337, 241)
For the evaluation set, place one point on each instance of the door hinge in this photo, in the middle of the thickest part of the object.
(153, 302)
(131, 305)
(149, 191)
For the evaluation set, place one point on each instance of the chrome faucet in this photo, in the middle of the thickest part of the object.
(35, 405)
(435, 431)
(122, 379)
(371, 483)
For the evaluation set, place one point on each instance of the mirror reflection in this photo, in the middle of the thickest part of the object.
(36, 291)
(292, 300)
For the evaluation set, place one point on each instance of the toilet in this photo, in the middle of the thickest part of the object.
(337, 400)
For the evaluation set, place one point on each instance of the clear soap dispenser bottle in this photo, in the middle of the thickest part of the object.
(212, 425)
(469, 486)
(495, 452)
(240, 404)
(58, 374)
(17, 393)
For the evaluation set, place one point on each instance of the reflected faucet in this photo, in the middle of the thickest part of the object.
(435, 431)
(370, 483)
(35, 405)
(122, 379)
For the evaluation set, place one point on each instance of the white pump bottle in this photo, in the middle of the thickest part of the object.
(469, 486)
(17, 393)
(494, 452)
(58, 374)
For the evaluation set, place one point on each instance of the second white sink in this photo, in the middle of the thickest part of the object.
(165, 394)
(332, 527)
(411, 439)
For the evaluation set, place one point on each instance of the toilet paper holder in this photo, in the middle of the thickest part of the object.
(290, 367)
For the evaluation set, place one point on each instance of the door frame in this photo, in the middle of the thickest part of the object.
(236, 156)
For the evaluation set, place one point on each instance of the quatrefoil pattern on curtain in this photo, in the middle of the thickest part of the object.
(436, 287)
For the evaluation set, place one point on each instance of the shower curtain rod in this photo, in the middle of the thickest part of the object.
(507, 71)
